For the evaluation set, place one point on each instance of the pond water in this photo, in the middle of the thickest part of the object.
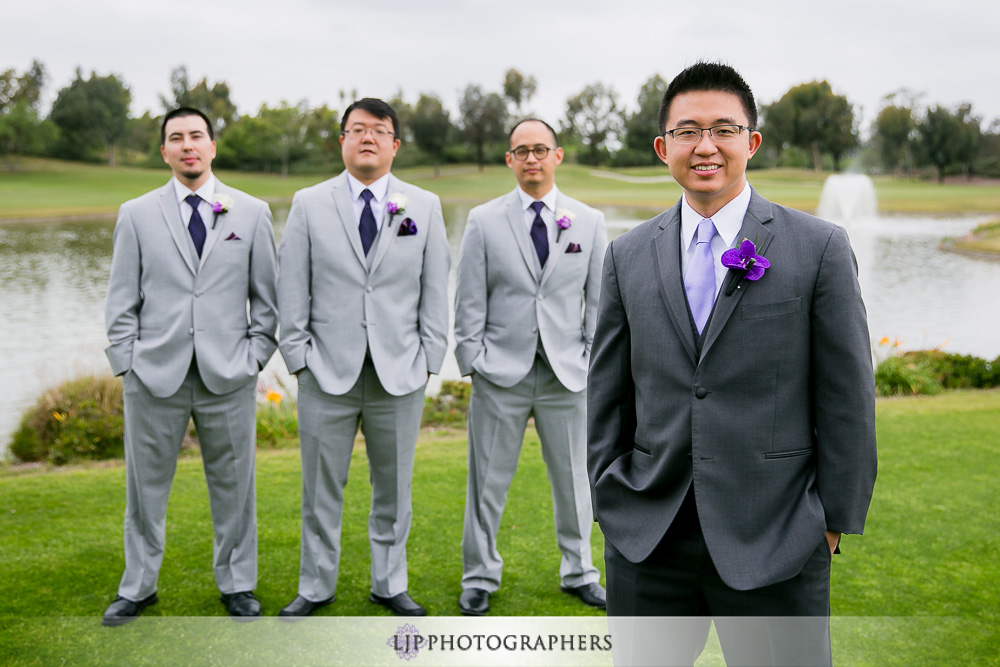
(53, 278)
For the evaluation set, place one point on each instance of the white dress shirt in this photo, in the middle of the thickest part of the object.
(728, 221)
(380, 190)
(207, 194)
(548, 213)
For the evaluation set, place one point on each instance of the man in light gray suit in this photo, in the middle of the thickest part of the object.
(731, 400)
(525, 311)
(188, 259)
(364, 320)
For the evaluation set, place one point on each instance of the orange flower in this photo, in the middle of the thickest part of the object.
(884, 341)
(273, 397)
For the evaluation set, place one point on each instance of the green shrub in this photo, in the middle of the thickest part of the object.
(901, 376)
(958, 371)
(277, 424)
(450, 407)
(79, 419)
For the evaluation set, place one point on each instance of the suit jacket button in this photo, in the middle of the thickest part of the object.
(369, 289)
(534, 329)
(701, 392)
(191, 331)
(364, 324)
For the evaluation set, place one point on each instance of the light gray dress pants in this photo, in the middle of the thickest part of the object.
(154, 429)
(497, 419)
(328, 425)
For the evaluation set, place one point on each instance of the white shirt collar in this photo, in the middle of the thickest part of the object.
(549, 199)
(379, 188)
(728, 220)
(206, 191)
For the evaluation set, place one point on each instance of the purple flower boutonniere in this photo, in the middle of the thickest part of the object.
(564, 219)
(746, 262)
(221, 203)
(396, 204)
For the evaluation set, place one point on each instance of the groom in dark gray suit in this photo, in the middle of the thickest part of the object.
(731, 420)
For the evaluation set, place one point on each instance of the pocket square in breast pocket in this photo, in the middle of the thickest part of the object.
(574, 247)
(407, 227)
(233, 237)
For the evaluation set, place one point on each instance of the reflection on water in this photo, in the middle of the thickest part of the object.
(53, 278)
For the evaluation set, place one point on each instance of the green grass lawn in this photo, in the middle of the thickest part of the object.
(46, 188)
(920, 587)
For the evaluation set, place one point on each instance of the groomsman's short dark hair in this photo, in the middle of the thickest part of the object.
(555, 137)
(180, 112)
(708, 76)
(375, 107)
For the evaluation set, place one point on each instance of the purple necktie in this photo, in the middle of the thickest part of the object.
(540, 235)
(699, 281)
(367, 227)
(196, 225)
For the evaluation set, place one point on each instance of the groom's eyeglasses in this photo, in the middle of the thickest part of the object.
(358, 132)
(521, 152)
(719, 133)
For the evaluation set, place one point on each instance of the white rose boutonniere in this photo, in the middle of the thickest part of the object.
(396, 204)
(221, 203)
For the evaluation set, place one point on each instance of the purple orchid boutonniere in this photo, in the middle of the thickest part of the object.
(564, 219)
(746, 262)
(396, 204)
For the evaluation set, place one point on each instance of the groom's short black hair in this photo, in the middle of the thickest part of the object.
(375, 107)
(708, 76)
(180, 112)
(555, 137)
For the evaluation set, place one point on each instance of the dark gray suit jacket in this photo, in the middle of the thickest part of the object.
(775, 423)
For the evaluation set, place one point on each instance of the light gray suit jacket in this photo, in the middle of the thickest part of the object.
(334, 307)
(775, 423)
(162, 307)
(505, 302)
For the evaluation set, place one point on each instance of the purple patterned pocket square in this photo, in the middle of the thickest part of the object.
(574, 247)
(233, 237)
(407, 228)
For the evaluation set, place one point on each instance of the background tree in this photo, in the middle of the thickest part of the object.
(321, 139)
(592, 117)
(894, 133)
(249, 146)
(431, 128)
(970, 138)
(484, 116)
(942, 137)
(518, 89)
(214, 101)
(22, 131)
(640, 127)
(812, 117)
(91, 114)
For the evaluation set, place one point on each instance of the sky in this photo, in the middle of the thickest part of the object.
(294, 50)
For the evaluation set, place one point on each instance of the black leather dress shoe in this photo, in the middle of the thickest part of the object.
(474, 601)
(244, 603)
(400, 605)
(592, 594)
(303, 607)
(122, 611)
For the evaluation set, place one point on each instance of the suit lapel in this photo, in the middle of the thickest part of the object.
(388, 229)
(345, 210)
(666, 248)
(758, 214)
(558, 250)
(172, 218)
(515, 218)
(213, 238)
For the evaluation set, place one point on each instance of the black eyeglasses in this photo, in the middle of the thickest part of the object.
(719, 133)
(521, 152)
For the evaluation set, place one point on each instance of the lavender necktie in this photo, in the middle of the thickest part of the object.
(699, 281)
(196, 225)
(367, 227)
(540, 235)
